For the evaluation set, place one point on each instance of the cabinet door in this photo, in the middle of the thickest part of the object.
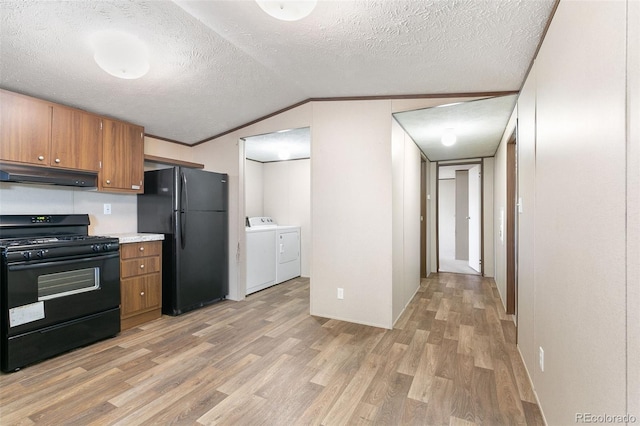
(140, 294)
(76, 139)
(122, 157)
(25, 129)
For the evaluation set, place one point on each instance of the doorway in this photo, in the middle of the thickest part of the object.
(459, 218)
(277, 185)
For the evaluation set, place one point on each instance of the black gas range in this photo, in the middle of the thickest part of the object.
(59, 287)
(50, 247)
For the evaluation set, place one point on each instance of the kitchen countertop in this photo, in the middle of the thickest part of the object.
(133, 237)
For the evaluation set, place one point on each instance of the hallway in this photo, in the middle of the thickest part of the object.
(451, 360)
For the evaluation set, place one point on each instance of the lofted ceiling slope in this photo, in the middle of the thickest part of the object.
(216, 65)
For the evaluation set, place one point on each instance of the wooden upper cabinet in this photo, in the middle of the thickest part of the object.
(76, 139)
(122, 157)
(48, 134)
(25, 129)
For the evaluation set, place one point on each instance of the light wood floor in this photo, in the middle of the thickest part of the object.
(450, 360)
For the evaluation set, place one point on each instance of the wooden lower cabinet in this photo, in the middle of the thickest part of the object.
(140, 283)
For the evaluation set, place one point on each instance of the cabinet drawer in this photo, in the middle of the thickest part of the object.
(139, 266)
(147, 248)
(140, 294)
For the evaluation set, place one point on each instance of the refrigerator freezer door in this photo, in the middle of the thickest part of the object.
(156, 205)
(203, 190)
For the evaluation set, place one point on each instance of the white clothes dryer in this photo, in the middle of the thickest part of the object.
(288, 253)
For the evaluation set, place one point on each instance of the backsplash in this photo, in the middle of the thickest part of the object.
(16, 198)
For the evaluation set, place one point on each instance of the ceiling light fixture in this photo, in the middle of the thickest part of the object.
(120, 54)
(448, 137)
(288, 10)
(284, 155)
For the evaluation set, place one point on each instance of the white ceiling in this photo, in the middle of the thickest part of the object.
(283, 145)
(478, 126)
(216, 65)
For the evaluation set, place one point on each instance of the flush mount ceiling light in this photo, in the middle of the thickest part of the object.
(287, 10)
(448, 137)
(120, 54)
(284, 155)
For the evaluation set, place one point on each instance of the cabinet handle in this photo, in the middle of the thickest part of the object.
(41, 157)
(141, 248)
(142, 293)
(108, 181)
(141, 266)
(57, 160)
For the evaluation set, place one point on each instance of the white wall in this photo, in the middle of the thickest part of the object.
(526, 141)
(580, 211)
(405, 157)
(447, 218)
(578, 296)
(254, 192)
(500, 210)
(487, 211)
(160, 148)
(633, 207)
(16, 198)
(351, 213)
(287, 198)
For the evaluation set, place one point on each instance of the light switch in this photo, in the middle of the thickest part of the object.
(107, 209)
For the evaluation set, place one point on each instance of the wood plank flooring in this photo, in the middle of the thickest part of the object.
(450, 360)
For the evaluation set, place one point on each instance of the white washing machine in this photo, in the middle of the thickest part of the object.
(288, 253)
(261, 253)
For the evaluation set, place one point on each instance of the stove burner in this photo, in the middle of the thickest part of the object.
(44, 240)
(61, 239)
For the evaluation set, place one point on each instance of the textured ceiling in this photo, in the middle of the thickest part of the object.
(291, 144)
(478, 126)
(216, 65)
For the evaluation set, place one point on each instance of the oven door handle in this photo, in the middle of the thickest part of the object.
(20, 266)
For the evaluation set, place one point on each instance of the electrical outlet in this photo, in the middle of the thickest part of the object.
(541, 359)
(340, 293)
(107, 209)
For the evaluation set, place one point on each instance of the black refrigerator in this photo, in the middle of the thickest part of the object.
(189, 207)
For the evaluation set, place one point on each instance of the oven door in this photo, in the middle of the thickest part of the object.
(39, 294)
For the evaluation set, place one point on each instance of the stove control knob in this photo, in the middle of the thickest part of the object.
(106, 247)
(95, 247)
(40, 253)
(26, 255)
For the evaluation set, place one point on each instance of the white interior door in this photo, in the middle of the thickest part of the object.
(474, 217)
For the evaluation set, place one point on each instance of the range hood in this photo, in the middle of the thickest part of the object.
(24, 173)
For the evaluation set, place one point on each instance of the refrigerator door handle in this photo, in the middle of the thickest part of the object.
(184, 205)
(183, 229)
(184, 196)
